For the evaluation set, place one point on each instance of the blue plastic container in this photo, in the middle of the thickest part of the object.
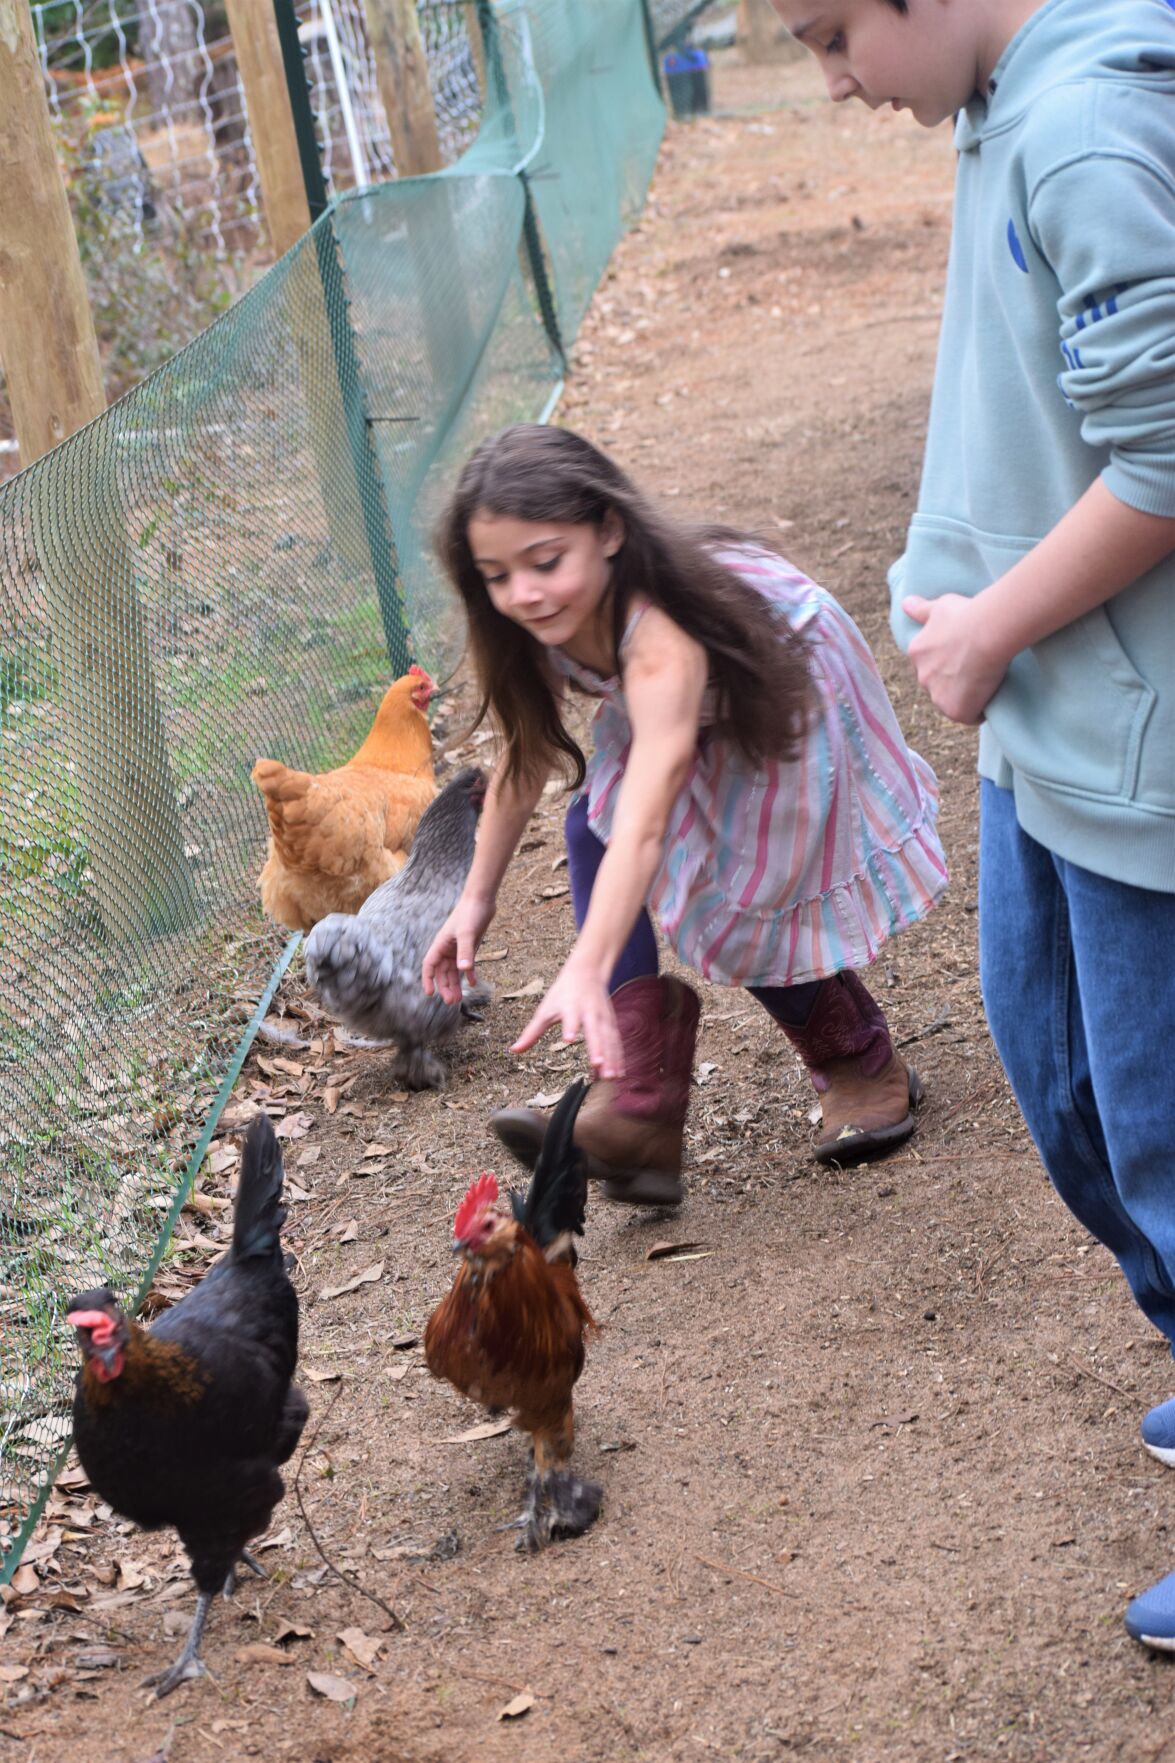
(687, 75)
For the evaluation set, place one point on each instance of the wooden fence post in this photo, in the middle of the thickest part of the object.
(114, 725)
(401, 67)
(49, 348)
(259, 58)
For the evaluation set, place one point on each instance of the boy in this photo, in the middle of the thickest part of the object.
(1037, 591)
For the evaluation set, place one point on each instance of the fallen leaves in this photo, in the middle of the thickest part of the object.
(261, 1653)
(335, 1689)
(294, 1126)
(369, 1276)
(532, 989)
(687, 1251)
(363, 1648)
(487, 1429)
(515, 1709)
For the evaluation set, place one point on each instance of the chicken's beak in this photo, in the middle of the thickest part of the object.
(110, 1357)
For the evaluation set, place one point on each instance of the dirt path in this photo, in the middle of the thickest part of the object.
(874, 1492)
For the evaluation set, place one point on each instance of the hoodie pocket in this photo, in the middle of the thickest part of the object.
(1072, 709)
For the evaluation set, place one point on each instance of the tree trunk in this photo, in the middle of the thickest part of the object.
(169, 42)
(402, 70)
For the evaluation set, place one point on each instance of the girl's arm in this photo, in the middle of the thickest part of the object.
(965, 645)
(508, 807)
(664, 681)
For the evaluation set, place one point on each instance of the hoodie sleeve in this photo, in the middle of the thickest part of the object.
(1105, 223)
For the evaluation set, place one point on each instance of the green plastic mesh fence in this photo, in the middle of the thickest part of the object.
(229, 563)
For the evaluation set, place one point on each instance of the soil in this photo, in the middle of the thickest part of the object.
(874, 1490)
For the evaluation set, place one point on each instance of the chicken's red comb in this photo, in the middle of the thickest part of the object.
(101, 1326)
(418, 672)
(480, 1194)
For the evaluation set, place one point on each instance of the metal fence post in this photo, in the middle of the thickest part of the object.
(364, 455)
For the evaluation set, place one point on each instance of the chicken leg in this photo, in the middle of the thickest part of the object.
(189, 1664)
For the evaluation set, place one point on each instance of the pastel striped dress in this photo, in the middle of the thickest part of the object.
(787, 872)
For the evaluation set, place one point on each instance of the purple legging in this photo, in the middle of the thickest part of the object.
(789, 1005)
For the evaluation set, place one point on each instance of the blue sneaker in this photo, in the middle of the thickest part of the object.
(1151, 1617)
(1158, 1432)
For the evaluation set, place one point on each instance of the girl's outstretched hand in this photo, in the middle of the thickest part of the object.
(452, 951)
(955, 665)
(579, 1000)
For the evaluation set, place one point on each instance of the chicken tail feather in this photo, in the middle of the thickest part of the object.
(259, 1214)
(556, 1200)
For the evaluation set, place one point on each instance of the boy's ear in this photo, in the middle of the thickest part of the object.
(612, 533)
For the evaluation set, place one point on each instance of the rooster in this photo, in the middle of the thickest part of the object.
(334, 836)
(510, 1334)
(185, 1423)
(366, 967)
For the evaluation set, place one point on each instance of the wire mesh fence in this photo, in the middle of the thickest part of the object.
(158, 158)
(230, 563)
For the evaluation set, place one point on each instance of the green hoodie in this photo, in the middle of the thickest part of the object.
(1056, 365)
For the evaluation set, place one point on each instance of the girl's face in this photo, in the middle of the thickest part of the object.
(550, 577)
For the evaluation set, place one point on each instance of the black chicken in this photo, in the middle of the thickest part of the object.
(366, 966)
(185, 1423)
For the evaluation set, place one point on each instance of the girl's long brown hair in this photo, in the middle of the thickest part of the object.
(540, 474)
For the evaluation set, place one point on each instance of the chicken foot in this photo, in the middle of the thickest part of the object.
(558, 1504)
(189, 1664)
(254, 1566)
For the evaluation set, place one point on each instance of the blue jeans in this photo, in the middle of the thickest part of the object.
(1078, 977)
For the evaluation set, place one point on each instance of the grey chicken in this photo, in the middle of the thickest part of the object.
(366, 966)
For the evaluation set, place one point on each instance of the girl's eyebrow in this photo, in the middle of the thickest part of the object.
(800, 31)
(535, 545)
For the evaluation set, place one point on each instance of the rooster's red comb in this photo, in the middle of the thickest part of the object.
(101, 1326)
(480, 1193)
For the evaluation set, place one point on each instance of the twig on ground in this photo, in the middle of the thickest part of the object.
(1097, 1377)
(339, 1572)
(922, 1034)
(725, 1567)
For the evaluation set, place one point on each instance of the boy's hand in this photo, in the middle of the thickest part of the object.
(579, 1000)
(954, 663)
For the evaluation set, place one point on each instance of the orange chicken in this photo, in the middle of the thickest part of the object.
(334, 836)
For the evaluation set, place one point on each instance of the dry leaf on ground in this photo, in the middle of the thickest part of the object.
(294, 1126)
(675, 1251)
(335, 1689)
(487, 1429)
(369, 1276)
(363, 1648)
(532, 989)
(258, 1653)
(520, 1705)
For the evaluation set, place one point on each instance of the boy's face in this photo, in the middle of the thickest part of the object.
(927, 61)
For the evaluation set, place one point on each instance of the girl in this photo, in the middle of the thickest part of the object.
(749, 780)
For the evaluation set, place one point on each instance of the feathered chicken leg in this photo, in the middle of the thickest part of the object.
(558, 1503)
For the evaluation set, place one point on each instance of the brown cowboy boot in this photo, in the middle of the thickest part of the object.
(867, 1091)
(631, 1128)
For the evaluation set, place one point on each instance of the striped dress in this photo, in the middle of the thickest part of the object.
(787, 872)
